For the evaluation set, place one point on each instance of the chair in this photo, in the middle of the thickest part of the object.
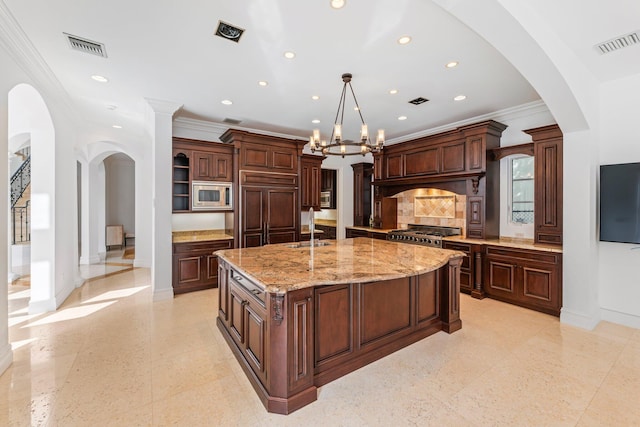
(115, 236)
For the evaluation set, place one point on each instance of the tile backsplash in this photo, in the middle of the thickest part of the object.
(433, 207)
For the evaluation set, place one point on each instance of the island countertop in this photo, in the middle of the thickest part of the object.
(281, 268)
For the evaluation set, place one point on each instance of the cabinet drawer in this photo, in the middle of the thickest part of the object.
(208, 246)
(252, 289)
(513, 254)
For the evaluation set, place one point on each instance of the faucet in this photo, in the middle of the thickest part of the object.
(312, 224)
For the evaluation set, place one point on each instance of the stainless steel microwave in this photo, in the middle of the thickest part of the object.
(325, 199)
(211, 196)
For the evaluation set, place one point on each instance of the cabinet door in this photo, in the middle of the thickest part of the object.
(223, 293)
(223, 167)
(211, 268)
(189, 269)
(548, 192)
(203, 166)
(501, 278)
(311, 177)
(422, 162)
(466, 270)
(252, 217)
(453, 157)
(255, 335)
(281, 214)
(541, 286)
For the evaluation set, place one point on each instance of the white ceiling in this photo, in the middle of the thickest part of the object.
(167, 50)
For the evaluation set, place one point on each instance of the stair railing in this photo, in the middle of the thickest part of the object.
(20, 181)
(20, 227)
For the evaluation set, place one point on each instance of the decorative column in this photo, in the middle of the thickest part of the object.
(160, 127)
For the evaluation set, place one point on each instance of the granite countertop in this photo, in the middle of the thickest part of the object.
(305, 230)
(199, 236)
(327, 222)
(375, 230)
(280, 268)
(508, 242)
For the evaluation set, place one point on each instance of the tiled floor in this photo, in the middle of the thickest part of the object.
(111, 356)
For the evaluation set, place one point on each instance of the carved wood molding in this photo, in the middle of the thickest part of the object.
(500, 152)
(276, 307)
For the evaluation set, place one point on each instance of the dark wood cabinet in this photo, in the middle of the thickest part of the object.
(371, 233)
(454, 161)
(330, 187)
(328, 231)
(269, 214)
(548, 183)
(466, 269)
(310, 181)
(210, 166)
(195, 265)
(181, 181)
(195, 160)
(528, 278)
(362, 174)
(247, 322)
(385, 212)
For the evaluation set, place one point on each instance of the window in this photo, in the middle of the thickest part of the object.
(521, 194)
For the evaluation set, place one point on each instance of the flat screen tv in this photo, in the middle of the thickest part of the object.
(620, 203)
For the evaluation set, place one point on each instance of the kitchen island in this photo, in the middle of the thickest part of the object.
(298, 316)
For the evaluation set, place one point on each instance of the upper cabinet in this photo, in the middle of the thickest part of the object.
(548, 180)
(310, 181)
(329, 189)
(195, 160)
(212, 166)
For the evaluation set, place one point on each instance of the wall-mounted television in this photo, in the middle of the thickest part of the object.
(620, 203)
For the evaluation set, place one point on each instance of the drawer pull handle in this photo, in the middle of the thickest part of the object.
(256, 292)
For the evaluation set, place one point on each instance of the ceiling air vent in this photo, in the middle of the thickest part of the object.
(86, 46)
(229, 32)
(618, 43)
(232, 121)
(418, 101)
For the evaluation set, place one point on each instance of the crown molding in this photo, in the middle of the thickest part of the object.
(27, 57)
(505, 115)
(163, 107)
(219, 128)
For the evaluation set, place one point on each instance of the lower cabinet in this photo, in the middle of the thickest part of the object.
(528, 278)
(329, 231)
(466, 269)
(247, 321)
(195, 265)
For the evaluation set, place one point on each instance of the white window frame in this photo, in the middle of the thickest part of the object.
(508, 227)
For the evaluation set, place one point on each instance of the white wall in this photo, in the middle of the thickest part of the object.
(120, 191)
(619, 142)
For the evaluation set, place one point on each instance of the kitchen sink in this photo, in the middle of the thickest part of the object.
(308, 244)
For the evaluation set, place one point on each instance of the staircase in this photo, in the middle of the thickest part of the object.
(20, 201)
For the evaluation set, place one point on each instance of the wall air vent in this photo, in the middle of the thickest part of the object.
(86, 46)
(418, 101)
(229, 32)
(232, 121)
(618, 43)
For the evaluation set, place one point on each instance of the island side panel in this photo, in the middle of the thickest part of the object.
(450, 300)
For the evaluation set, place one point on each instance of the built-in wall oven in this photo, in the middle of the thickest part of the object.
(211, 196)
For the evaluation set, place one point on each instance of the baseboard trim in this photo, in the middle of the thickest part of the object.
(162, 294)
(625, 319)
(577, 319)
(42, 306)
(6, 358)
(94, 259)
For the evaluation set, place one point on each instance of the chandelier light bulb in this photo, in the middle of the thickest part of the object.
(364, 133)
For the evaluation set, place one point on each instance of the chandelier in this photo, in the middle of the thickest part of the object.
(338, 146)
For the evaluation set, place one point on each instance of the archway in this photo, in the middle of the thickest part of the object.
(29, 115)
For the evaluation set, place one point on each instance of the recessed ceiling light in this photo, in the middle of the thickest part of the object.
(404, 40)
(263, 83)
(226, 102)
(315, 121)
(337, 4)
(452, 64)
(402, 118)
(100, 79)
(315, 97)
(116, 127)
(460, 98)
(393, 91)
(289, 55)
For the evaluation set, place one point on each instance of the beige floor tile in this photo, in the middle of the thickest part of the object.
(112, 356)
